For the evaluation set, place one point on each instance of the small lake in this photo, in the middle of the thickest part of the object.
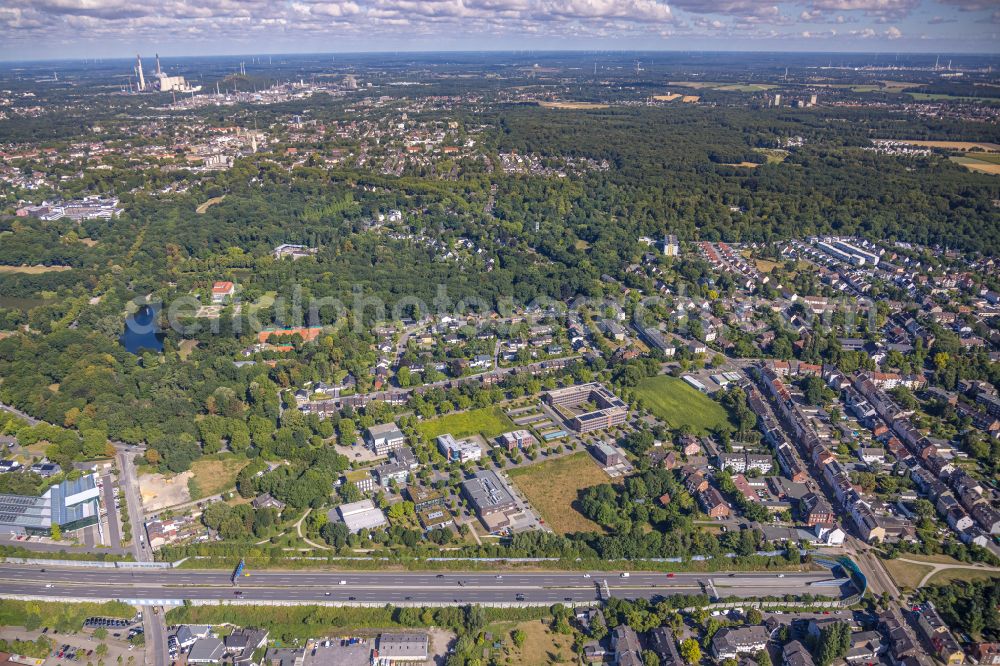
(142, 332)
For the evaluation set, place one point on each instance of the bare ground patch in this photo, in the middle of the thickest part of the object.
(159, 492)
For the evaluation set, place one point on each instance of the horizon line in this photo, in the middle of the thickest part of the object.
(396, 52)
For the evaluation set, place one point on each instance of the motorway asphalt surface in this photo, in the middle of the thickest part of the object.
(392, 587)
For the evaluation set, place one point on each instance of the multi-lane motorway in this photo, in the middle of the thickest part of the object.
(401, 588)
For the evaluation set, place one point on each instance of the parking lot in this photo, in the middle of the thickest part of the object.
(80, 647)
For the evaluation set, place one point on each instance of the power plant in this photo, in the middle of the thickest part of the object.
(163, 82)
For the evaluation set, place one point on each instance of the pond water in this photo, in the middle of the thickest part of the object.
(142, 332)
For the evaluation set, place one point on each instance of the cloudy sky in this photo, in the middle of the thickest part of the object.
(33, 29)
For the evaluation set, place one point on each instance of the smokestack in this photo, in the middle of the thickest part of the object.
(138, 67)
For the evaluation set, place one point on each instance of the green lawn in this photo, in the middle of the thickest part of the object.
(488, 422)
(670, 399)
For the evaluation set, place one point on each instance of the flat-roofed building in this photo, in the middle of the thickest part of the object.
(517, 439)
(490, 498)
(611, 410)
(424, 497)
(458, 450)
(400, 647)
(361, 515)
(384, 438)
(606, 454)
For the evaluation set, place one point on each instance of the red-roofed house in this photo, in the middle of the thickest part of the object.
(222, 290)
(308, 334)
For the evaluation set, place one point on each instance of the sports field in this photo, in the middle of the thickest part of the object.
(554, 486)
(678, 404)
(488, 422)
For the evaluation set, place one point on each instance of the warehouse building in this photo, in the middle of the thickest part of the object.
(397, 648)
(72, 505)
(360, 515)
(490, 498)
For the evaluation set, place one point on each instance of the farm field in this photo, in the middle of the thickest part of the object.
(678, 404)
(954, 145)
(553, 487)
(930, 97)
(488, 421)
(884, 86)
(723, 87)
(982, 163)
(573, 105)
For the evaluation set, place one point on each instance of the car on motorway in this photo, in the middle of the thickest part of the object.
(781, 575)
(327, 594)
(351, 598)
(343, 582)
(586, 575)
(671, 575)
(238, 593)
(625, 574)
(47, 585)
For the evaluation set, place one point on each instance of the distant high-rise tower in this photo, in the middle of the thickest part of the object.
(777, 100)
(138, 71)
(158, 70)
(812, 100)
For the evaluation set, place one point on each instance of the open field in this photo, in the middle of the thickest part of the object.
(678, 404)
(906, 574)
(208, 204)
(765, 266)
(910, 574)
(185, 348)
(159, 491)
(573, 105)
(885, 86)
(723, 87)
(667, 98)
(746, 165)
(211, 477)
(541, 644)
(774, 155)
(976, 164)
(954, 145)
(931, 97)
(554, 486)
(488, 421)
(950, 575)
(34, 270)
